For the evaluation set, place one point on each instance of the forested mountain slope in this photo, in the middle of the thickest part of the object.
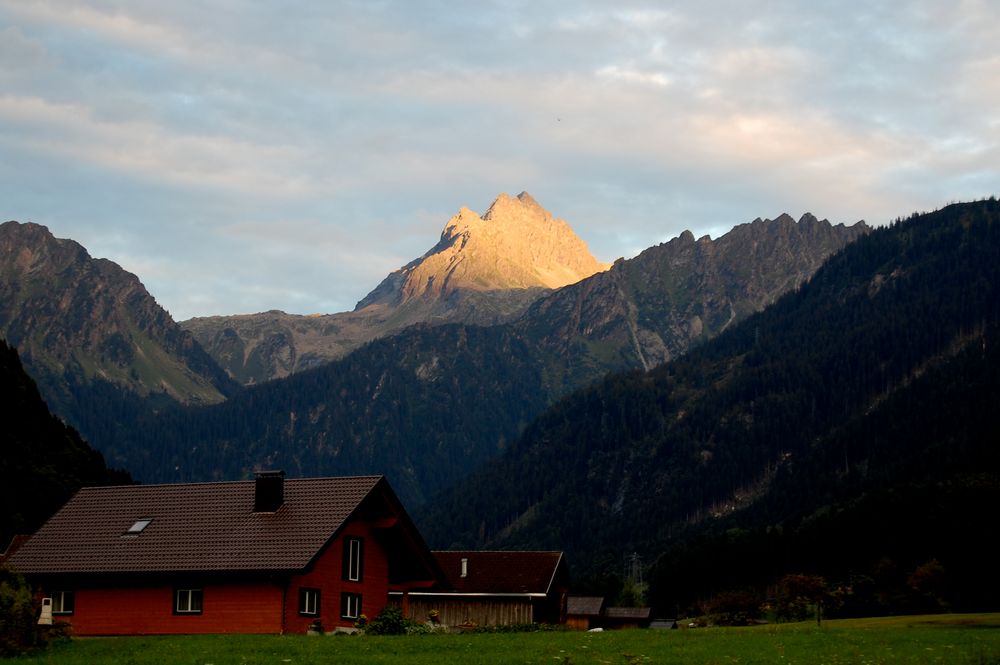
(430, 403)
(774, 419)
(85, 325)
(675, 295)
(42, 461)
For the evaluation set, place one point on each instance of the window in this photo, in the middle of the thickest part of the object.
(138, 526)
(354, 552)
(350, 605)
(63, 602)
(309, 602)
(187, 601)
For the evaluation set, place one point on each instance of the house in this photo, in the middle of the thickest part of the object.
(268, 555)
(584, 612)
(495, 588)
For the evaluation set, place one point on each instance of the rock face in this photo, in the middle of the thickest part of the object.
(516, 244)
(654, 307)
(76, 319)
(483, 270)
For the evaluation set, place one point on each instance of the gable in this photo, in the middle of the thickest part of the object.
(501, 572)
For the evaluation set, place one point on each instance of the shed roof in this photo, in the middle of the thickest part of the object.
(193, 527)
(637, 613)
(501, 572)
(584, 605)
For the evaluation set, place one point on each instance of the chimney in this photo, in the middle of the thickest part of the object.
(269, 491)
(465, 567)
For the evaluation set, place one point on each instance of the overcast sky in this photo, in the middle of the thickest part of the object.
(244, 156)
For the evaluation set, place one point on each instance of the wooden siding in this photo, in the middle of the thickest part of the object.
(578, 623)
(326, 575)
(244, 605)
(463, 610)
(227, 608)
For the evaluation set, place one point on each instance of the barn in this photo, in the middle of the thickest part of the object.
(268, 555)
(494, 588)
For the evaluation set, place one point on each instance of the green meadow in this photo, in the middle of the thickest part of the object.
(918, 639)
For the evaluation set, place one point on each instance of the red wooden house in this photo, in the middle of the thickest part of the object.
(262, 556)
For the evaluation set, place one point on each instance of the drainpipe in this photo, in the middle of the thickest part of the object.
(284, 605)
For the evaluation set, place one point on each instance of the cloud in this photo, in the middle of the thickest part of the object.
(252, 156)
(151, 151)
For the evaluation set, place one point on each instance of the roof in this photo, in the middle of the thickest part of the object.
(584, 605)
(637, 613)
(500, 572)
(193, 527)
(15, 544)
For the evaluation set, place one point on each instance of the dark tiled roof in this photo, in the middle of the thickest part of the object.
(194, 527)
(584, 605)
(500, 572)
(638, 613)
(15, 544)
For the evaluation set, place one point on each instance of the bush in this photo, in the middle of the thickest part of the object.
(390, 621)
(18, 631)
(734, 608)
(798, 597)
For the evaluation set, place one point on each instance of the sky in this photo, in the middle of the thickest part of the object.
(241, 156)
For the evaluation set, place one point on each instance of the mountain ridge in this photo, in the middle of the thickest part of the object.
(71, 315)
(427, 404)
(482, 270)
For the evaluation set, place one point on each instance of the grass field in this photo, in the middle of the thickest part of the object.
(960, 639)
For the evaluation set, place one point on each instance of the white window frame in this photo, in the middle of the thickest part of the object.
(351, 606)
(59, 602)
(184, 601)
(309, 602)
(355, 549)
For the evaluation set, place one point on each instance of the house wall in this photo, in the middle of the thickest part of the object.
(326, 574)
(245, 607)
(251, 603)
(578, 622)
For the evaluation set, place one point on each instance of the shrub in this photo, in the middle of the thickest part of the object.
(734, 608)
(390, 621)
(798, 597)
(18, 631)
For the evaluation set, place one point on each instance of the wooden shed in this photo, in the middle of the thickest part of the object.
(495, 588)
(626, 617)
(584, 612)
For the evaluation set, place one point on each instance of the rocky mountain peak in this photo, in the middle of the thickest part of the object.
(515, 245)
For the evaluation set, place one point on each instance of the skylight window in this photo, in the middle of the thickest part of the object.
(138, 526)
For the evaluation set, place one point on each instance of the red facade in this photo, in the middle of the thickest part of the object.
(327, 575)
(256, 604)
(245, 607)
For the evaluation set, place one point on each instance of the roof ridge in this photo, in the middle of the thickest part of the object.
(205, 483)
(560, 552)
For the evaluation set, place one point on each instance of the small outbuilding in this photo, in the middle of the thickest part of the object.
(584, 612)
(626, 617)
(495, 588)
